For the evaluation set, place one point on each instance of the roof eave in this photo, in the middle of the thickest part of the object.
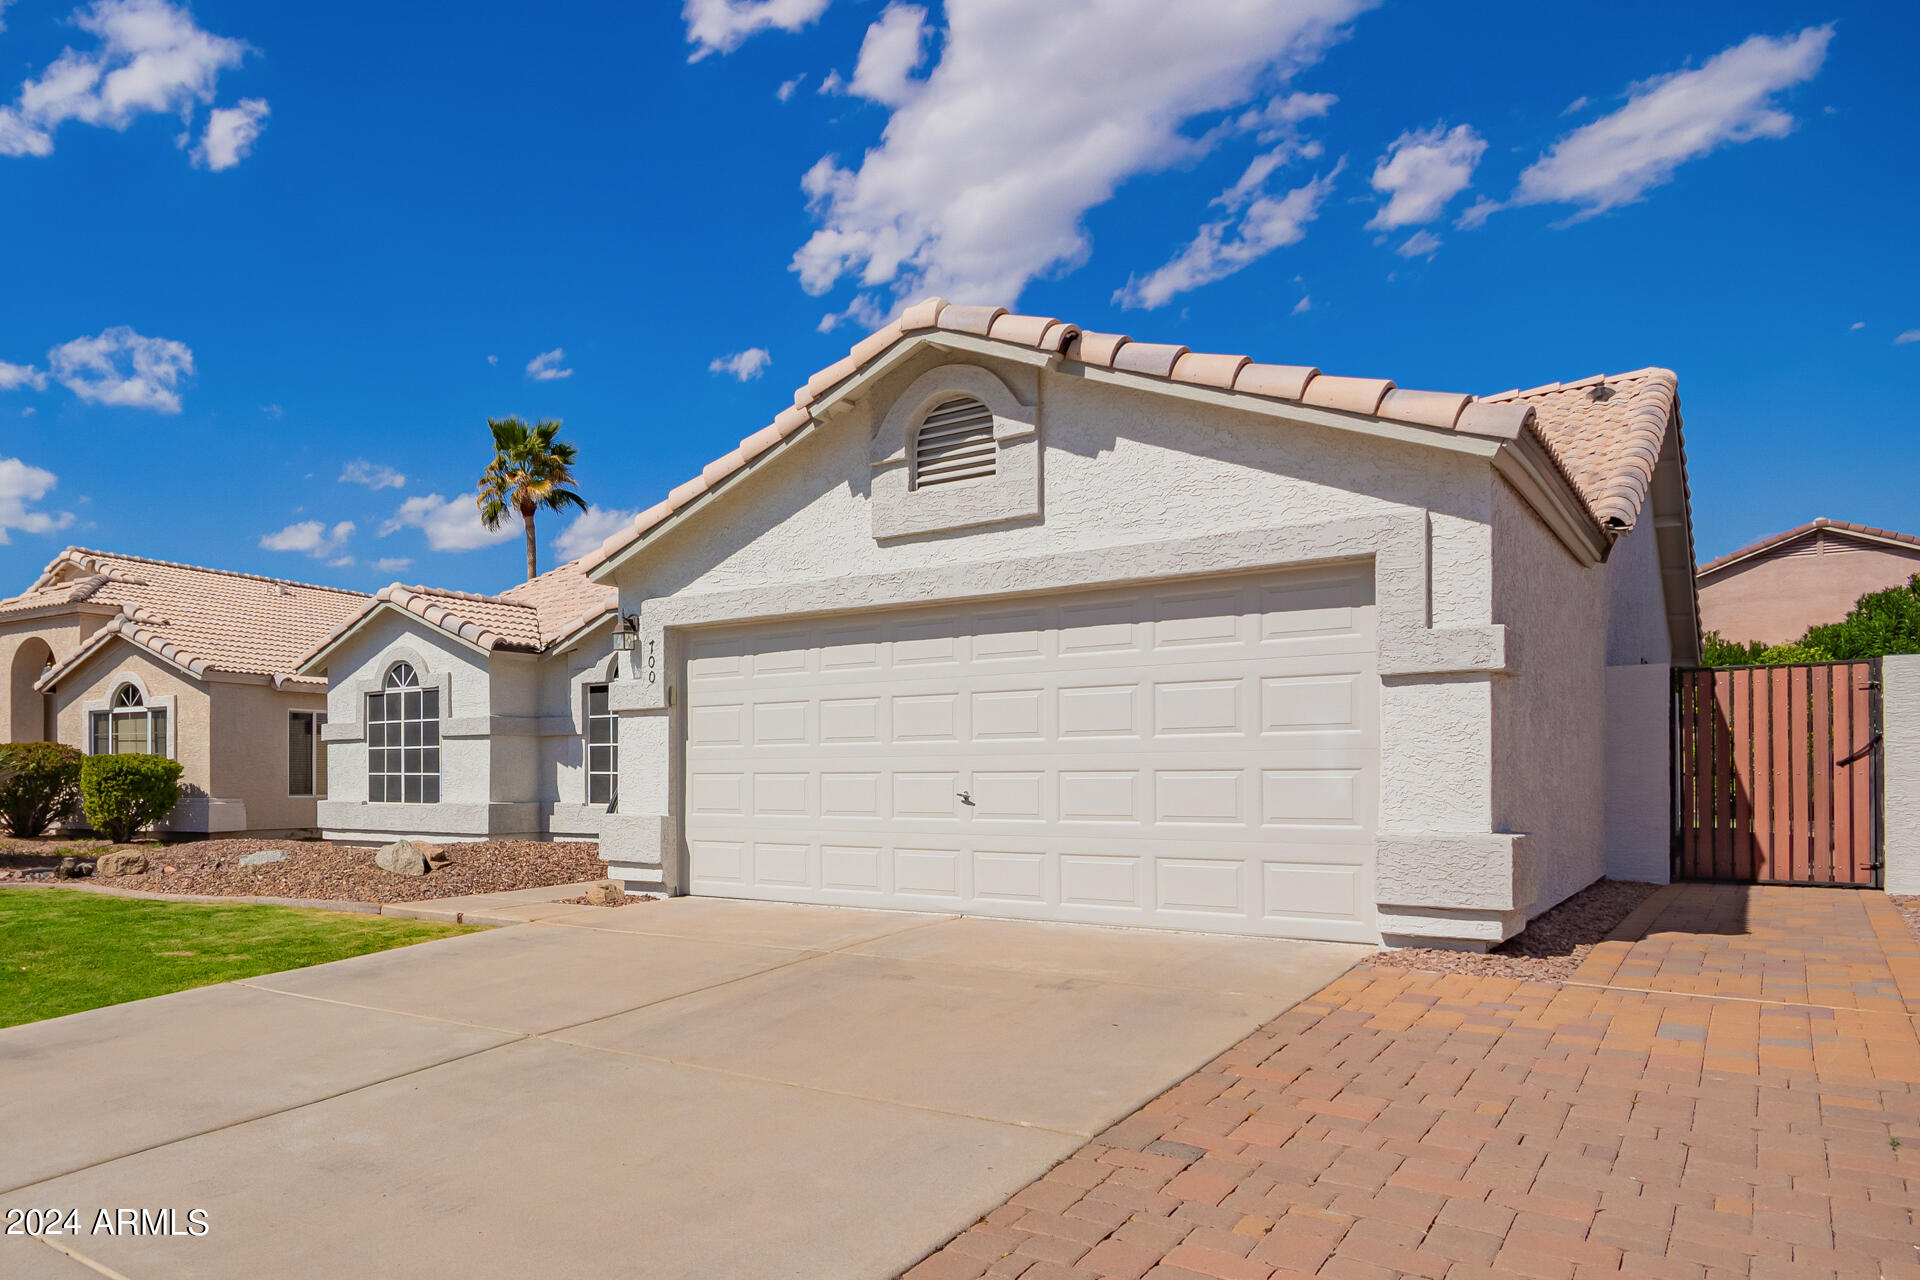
(312, 662)
(1526, 464)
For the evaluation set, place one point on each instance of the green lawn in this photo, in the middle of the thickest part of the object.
(63, 951)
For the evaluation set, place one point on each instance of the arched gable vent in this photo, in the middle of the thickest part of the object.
(954, 442)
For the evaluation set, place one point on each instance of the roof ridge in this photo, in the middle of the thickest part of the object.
(450, 594)
(196, 568)
(1801, 530)
(1612, 508)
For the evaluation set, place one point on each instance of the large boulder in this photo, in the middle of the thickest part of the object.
(263, 857)
(403, 858)
(120, 862)
(606, 893)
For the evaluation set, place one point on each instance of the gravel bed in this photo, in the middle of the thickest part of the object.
(1549, 949)
(1909, 908)
(319, 869)
(629, 900)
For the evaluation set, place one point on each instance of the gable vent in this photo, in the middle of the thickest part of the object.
(955, 442)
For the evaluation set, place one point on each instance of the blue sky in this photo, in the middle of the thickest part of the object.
(267, 274)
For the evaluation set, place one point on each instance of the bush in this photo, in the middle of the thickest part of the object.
(125, 793)
(39, 785)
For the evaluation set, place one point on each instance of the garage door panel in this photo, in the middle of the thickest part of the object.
(1202, 755)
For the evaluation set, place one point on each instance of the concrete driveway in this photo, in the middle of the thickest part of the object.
(687, 1088)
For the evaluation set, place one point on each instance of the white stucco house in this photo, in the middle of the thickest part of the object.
(1008, 618)
(454, 716)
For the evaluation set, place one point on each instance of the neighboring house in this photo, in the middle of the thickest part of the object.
(1773, 590)
(469, 717)
(1007, 618)
(113, 653)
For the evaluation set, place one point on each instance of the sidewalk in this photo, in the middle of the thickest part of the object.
(1729, 1089)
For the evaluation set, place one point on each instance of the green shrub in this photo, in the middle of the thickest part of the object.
(39, 785)
(125, 793)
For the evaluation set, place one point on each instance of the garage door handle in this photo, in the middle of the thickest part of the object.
(966, 797)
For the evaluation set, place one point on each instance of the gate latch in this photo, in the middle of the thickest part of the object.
(1872, 742)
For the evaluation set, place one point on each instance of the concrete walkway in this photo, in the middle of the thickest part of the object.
(1730, 1089)
(684, 1088)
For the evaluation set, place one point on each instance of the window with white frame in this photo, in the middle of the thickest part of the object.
(306, 755)
(128, 726)
(603, 748)
(403, 740)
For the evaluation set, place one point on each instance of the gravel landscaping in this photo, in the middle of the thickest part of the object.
(1909, 909)
(317, 869)
(1549, 949)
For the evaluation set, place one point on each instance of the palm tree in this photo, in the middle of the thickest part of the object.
(530, 470)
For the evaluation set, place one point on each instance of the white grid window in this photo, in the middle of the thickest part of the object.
(306, 755)
(129, 727)
(603, 748)
(403, 741)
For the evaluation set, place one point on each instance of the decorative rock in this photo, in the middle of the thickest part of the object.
(120, 863)
(403, 858)
(606, 893)
(437, 857)
(71, 869)
(263, 857)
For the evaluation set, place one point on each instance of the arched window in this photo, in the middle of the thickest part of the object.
(954, 442)
(403, 740)
(129, 727)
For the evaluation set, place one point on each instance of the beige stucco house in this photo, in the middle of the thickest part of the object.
(1009, 618)
(456, 716)
(116, 653)
(1774, 589)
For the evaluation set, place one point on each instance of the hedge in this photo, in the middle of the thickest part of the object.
(125, 793)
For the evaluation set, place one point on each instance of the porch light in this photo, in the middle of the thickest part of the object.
(626, 633)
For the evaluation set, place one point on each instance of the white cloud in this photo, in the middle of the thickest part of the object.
(863, 311)
(374, 475)
(14, 376)
(720, 26)
(1222, 248)
(1033, 115)
(1421, 171)
(493, 359)
(1303, 306)
(451, 524)
(892, 49)
(313, 537)
(1421, 244)
(1856, 326)
(1674, 118)
(1477, 213)
(1577, 104)
(230, 134)
(545, 367)
(743, 365)
(3, 13)
(122, 367)
(20, 487)
(789, 87)
(1911, 335)
(149, 57)
(589, 529)
(273, 411)
(392, 564)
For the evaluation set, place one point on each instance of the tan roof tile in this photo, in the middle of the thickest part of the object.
(1605, 448)
(1814, 526)
(202, 619)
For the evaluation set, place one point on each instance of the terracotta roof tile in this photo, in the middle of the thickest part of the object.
(203, 619)
(1605, 448)
(1800, 531)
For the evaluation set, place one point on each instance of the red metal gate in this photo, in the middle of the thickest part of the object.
(1777, 774)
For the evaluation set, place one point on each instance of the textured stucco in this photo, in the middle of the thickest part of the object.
(25, 715)
(190, 724)
(1774, 598)
(1549, 761)
(512, 761)
(1639, 793)
(1900, 750)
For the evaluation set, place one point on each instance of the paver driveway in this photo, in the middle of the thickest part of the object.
(687, 1088)
(1730, 1089)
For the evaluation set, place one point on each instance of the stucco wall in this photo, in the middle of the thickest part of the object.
(511, 764)
(1549, 759)
(22, 661)
(249, 751)
(1900, 723)
(1775, 599)
(190, 725)
(1122, 470)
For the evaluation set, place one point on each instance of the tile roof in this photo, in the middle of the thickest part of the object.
(526, 618)
(1600, 444)
(1800, 531)
(197, 618)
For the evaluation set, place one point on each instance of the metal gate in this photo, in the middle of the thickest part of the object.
(1777, 774)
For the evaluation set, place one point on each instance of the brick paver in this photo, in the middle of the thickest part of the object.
(1730, 1089)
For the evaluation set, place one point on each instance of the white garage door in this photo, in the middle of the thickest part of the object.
(1200, 755)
